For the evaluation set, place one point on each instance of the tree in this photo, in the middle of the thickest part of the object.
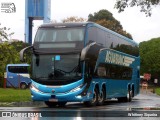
(106, 19)
(74, 19)
(150, 57)
(10, 55)
(146, 5)
(4, 35)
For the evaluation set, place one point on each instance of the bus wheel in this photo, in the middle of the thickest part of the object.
(23, 85)
(129, 96)
(61, 104)
(121, 99)
(101, 97)
(51, 104)
(94, 100)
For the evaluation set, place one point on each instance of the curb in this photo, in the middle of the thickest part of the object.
(22, 104)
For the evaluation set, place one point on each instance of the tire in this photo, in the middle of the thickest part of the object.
(94, 100)
(129, 96)
(121, 99)
(51, 104)
(23, 85)
(61, 104)
(101, 97)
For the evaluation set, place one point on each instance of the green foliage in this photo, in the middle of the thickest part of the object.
(150, 57)
(157, 90)
(101, 15)
(106, 19)
(73, 19)
(146, 5)
(10, 55)
(4, 33)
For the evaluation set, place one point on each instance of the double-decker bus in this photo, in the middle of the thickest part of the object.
(82, 62)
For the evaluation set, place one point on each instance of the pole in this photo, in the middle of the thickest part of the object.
(5, 80)
(19, 81)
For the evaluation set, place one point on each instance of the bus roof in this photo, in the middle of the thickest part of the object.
(18, 64)
(83, 24)
(63, 25)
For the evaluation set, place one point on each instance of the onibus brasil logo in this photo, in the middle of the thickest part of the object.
(8, 7)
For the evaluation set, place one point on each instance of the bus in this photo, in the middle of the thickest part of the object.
(82, 62)
(18, 76)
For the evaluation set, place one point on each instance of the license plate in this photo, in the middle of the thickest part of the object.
(53, 100)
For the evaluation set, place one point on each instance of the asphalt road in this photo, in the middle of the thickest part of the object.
(145, 106)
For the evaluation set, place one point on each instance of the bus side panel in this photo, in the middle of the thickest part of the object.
(14, 79)
(117, 86)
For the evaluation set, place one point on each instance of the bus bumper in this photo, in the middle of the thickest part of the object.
(71, 96)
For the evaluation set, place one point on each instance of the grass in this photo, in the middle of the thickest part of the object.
(14, 95)
(157, 90)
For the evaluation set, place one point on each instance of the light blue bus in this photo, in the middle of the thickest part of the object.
(18, 76)
(82, 62)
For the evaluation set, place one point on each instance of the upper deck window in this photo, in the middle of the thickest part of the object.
(59, 34)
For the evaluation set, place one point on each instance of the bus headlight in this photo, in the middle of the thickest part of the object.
(77, 88)
(34, 88)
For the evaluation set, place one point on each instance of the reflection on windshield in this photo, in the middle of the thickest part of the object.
(54, 67)
(59, 35)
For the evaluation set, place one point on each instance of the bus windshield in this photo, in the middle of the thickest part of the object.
(59, 34)
(56, 67)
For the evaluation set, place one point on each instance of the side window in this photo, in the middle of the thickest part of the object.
(101, 71)
(18, 69)
(108, 40)
(111, 71)
(101, 37)
(92, 34)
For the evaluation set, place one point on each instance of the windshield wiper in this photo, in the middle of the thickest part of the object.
(57, 73)
(41, 78)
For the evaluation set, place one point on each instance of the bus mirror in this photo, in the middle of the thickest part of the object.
(22, 53)
(83, 54)
(85, 51)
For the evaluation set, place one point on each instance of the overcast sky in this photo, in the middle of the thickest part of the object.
(141, 28)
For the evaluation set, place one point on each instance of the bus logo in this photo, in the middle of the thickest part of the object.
(115, 58)
(8, 7)
(53, 91)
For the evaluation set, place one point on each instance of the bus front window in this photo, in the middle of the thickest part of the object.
(56, 67)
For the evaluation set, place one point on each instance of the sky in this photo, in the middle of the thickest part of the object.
(141, 28)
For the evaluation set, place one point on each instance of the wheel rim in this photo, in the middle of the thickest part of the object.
(23, 86)
(100, 98)
(129, 95)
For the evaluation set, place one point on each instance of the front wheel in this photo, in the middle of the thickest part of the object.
(61, 104)
(94, 100)
(51, 104)
(54, 104)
